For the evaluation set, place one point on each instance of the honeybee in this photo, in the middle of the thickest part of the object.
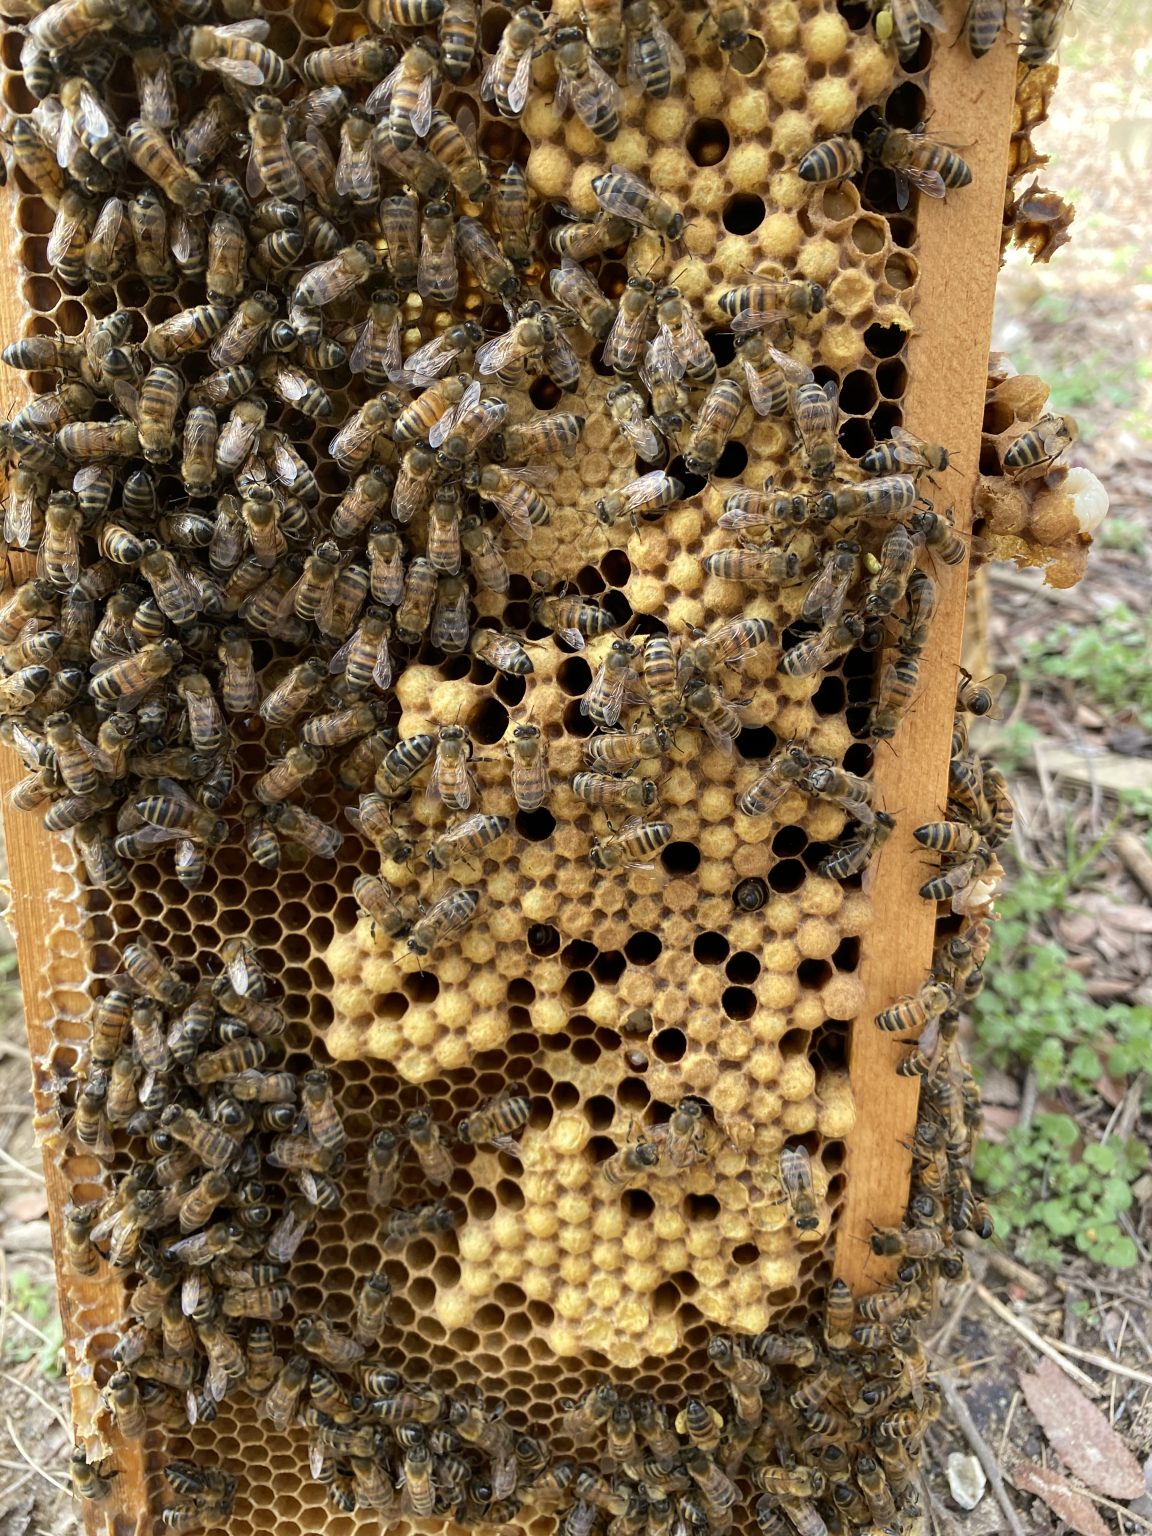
(730, 18)
(237, 52)
(1043, 23)
(530, 779)
(383, 1168)
(582, 84)
(714, 426)
(814, 410)
(917, 1009)
(716, 717)
(400, 226)
(626, 849)
(831, 160)
(466, 840)
(407, 93)
(609, 688)
(287, 774)
(123, 1402)
(785, 770)
(796, 1178)
(620, 751)
(353, 444)
(447, 918)
(452, 143)
(488, 565)
(630, 1163)
(897, 688)
(902, 449)
(85, 441)
(654, 60)
(938, 535)
(766, 301)
(151, 152)
(239, 434)
(982, 25)
(855, 855)
(915, 160)
(812, 655)
(627, 408)
(1037, 448)
(437, 275)
(650, 493)
(279, 1402)
(724, 646)
(621, 193)
(508, 77)
(824, 602)
(747, 512)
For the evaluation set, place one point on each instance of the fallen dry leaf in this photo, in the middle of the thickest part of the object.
(1060, 1497)
(1080, 1434)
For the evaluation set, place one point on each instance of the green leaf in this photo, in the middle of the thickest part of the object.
(1059, 1218)
(1101, 1156)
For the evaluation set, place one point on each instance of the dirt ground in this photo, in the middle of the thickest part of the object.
(1084, 324)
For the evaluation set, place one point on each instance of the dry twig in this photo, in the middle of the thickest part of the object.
(1045, 1346)
(981, 1450)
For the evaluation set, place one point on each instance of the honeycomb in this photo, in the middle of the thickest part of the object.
(1046, 519)
(555, 1280)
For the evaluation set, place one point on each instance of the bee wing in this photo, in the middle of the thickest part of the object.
(794, 372)
(92, 117)
(671, 363)
(521, 82)
(381, 95)
(253, 181)
(254, 28)
(931, 183)
(500, 352)
(291, 384)
(64, 231)
(930, 16)
(616, 199)
(427, 362)
(190, 1288)
(236, 969)
(127, 398)
(243, 71)
(639, 492)
(641, 436)
(572, 637)
(562, 94)
(356, 173)
(422, 116)
(340, 660)
(670, 46)
(749, 320)
(450, 417)
(65, 139)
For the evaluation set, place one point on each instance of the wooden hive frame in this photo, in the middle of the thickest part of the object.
(947, 357)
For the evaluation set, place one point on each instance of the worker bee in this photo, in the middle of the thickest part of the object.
(831, 160)
(914, 159)
(609, 688)
(1043, 22)
(447, 918)
(982, 25)
(824, 602)
(620, 751)
(851, 793)
(383, 1168)
(730, 19)
(917, 1009)
(624, 195)
(1037, 448)
(496, 1122)
(572, 618)
(287, 774)
(903, 450)
(407, 94)
(583, 84)
(530, 780)
(452, 142)
(451, 779)
(767, 301)
(650, 493)
(897, 561)
(609, 792)
(938, 535)
(714, 426)
(628, 411)
(465, 841)
(784, 771)
(508, 77)
(237, 52)
(151, 152)
(402, 763)
(885, 497)
(626, 849)
(654, 60)
(851, 857)
(818, 651)
(630, 1163)
(135, 674)
(724, 646)
(796, 1178)
(717, 718)
(897, 688)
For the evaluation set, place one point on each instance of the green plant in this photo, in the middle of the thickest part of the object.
(1108, 659)
(1051, 1196)
(35, 1302)
(1049, 1187)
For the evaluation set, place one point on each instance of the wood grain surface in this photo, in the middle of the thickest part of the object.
(959, 256)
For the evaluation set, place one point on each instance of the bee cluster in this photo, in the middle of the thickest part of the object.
(1041, 25)
(315, 585)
